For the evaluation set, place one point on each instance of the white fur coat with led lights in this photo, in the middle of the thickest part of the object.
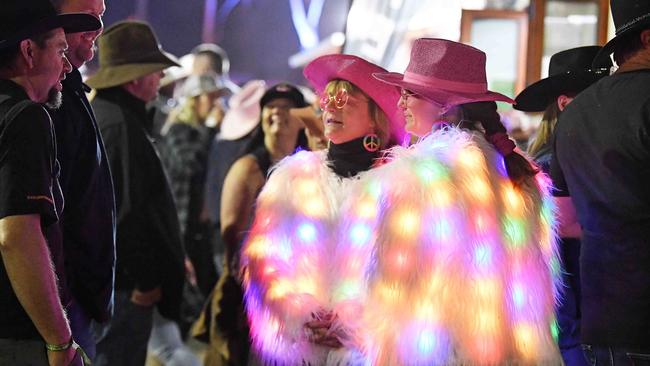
(434, 258)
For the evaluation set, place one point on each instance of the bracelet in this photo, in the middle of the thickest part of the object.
(59, 347)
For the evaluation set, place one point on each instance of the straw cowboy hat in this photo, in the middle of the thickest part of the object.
(629, 16)
(244, 113)
(569, 72)
(20, 20)
(445, 72)
(128, 50)
(359, 72)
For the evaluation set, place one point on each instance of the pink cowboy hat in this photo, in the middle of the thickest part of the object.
(244, 113)
(445, 72)
(359, 72)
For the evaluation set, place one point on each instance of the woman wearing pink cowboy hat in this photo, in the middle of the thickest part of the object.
(464, 265)
(300, 302)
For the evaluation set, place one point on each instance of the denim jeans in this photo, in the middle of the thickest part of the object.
(608, 356)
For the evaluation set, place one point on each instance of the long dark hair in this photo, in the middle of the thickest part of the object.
(518, 167)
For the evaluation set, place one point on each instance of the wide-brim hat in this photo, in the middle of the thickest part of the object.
(570, 71)
(244, 112)
(196, 85)
(445, 72)
(21, 20)
(629, 16)
(286, 91)
(128, 50)
(359, 72)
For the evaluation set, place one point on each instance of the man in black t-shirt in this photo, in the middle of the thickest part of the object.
(602, 160)
(33, 290)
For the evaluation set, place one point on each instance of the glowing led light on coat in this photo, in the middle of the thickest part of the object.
(555, 329)
(374, 189)
(348, 289)
(442, 230)
(487, 289)
(513, 199)
(515, 230)
(526, 340)
(279, 289)
(426, 343)
(257, 247)
(430, 171)
(360, 233)
(483, 255)
(480, 189)
(441, 196)
(487, 321)
(471, 159)
(307, 232)
(518, 296)
(366, 209)
(406, 224)
(314, 207)
(307, 187)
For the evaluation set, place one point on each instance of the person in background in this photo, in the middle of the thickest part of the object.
(34, 287)
(279, 136)
(570, 72)
(601, 168)
(150, 260)
(89, 215)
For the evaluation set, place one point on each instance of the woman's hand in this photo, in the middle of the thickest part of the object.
(320, 330)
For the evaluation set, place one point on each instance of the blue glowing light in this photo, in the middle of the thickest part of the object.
(518, 296)
(360, 233)
(307, 232)
(483, 255)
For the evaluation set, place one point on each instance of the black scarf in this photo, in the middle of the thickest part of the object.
(350, 158)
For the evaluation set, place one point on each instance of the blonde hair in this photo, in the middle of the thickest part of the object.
(381, 125)
(183, 113)
(545, 129)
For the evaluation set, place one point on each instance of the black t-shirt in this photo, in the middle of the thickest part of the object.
(28, 185)
(602, 159)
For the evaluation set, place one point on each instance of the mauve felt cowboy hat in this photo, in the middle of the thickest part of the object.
(359, 72)
(128, 50)
(569, 71)
(244, 112)
(445, 72)
(21, 19)
(629, 16)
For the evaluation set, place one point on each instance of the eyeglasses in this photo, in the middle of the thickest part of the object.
(406, 94)
(340, 99)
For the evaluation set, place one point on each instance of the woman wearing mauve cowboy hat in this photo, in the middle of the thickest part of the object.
(570, 72)
(299, 298)
(465, 260)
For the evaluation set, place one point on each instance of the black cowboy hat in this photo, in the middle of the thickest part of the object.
(570, 71)
(629, 16)
(23, 19)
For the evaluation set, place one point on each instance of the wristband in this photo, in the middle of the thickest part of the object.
(59, 347)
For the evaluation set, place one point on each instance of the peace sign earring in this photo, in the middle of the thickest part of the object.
(371, 142)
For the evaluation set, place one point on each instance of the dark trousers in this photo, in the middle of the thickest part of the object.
(611, 356)
(568, 312)
(123, 340)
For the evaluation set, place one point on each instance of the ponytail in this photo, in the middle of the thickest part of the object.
(518, 167)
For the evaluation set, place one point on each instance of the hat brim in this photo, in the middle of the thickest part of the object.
(71, 23)
(110, 76)
(602, 57)
(537, 96)
(441, 96)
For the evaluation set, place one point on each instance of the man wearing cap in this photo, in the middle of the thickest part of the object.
(149, 268)
(602, 166)
(570, 72)
(88, 220)
(34, 291)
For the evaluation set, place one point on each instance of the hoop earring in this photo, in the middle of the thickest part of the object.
(371, 142)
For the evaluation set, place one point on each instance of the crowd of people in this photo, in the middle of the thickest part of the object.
(370, 218)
